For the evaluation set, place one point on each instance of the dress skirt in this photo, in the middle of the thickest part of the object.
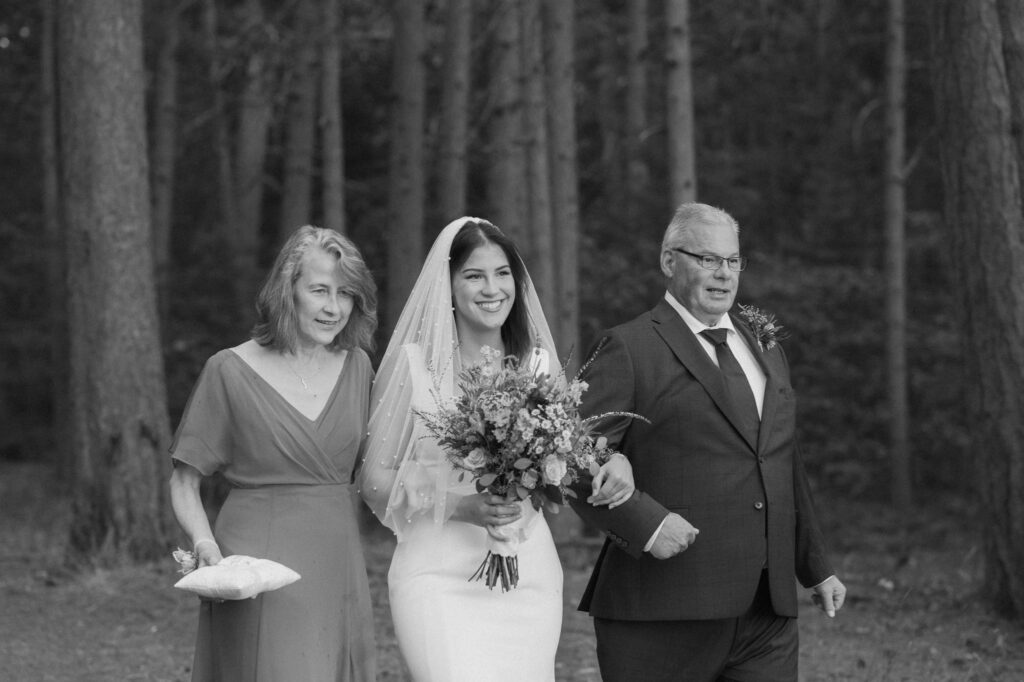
(452, 630)
(318, 628)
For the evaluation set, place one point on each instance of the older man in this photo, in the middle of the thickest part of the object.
(696, 579)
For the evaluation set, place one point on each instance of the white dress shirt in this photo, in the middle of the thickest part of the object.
(737, 344)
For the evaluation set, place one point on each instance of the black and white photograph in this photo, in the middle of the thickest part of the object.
(512, 341)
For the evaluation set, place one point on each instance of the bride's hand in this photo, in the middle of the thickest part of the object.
(613, 484)
(485, 509)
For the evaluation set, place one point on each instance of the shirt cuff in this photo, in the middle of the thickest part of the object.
(650, 543)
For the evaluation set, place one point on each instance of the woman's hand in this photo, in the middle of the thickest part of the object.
(613, 484)
(207, 552)
(486, 509)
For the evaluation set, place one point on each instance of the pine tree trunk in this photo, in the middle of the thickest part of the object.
(636, 107)
(120, 431)
(982, 174)
(455, 111)
(300, 120)
(254, 118)
(679, 103)
(164, 136)
(506, 168)
(611, 122)
(563, 312)
(407, 188)
(1011, 15)
(540, 249)
(895, 257)
(60, 367)
(330, 108)
(560, 39)
(227, 212)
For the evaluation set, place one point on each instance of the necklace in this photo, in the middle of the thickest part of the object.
(302, 380)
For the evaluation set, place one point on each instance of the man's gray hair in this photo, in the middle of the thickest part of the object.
(691, 214)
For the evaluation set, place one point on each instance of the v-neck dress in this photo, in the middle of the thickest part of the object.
(293, 502)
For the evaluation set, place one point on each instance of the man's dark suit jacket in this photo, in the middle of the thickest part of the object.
(750, 501)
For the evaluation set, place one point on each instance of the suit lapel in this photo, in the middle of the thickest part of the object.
(691, 354)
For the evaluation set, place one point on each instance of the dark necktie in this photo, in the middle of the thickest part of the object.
(736, 384)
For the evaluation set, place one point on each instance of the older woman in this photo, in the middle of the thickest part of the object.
(282, 417)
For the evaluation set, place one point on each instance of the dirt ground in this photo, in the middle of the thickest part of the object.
(913, 613)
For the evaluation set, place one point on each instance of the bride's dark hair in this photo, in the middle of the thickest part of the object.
(515, 333)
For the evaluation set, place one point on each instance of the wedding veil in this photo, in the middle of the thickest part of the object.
(404, 472)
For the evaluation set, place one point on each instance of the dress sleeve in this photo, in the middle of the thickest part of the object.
(203, 438)
(404, 473)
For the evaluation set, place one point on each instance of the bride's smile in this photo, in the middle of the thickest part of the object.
(492, 306)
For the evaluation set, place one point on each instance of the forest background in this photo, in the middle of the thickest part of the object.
(141, 199)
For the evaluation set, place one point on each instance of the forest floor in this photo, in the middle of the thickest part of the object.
(914, 611)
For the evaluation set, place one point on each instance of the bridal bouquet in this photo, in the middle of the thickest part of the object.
(519, 434)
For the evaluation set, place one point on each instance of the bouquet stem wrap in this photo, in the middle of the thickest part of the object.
(501, 565)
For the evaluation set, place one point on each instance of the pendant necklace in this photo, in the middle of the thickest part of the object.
(305, 385)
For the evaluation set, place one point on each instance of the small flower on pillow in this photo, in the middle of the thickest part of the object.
(237, 577)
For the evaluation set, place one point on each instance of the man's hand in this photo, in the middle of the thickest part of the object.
(829, 596)
(675, 536)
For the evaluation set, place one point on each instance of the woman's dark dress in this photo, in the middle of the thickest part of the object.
(292, 502)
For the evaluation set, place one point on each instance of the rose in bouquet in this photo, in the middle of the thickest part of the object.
(518, 434)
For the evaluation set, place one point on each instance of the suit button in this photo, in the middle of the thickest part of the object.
(759, 505)
(761, 459)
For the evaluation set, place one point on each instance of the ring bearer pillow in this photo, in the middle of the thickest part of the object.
(237, 577)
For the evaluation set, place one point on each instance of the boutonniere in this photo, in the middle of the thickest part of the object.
(766, 330)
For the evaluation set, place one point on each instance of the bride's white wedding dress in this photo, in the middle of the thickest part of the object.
(451, 629)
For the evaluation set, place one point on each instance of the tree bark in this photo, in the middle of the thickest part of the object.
(563, 311)
(57, 258)
(225, 163)
(455, 111)
(982, 165)
(164, 135)
(636, 106)
(560, 39)
(407, 188)
(300, 120)
(540, 249)
(679, 103)
(895, 257)
(330, 107)
(254, 118)
(1011, 15)
(120, 430)
(506, 170)
(611, 123)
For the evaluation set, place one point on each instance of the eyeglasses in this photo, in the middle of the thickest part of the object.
(709, 262)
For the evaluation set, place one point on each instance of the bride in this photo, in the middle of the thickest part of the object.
(473, 292)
